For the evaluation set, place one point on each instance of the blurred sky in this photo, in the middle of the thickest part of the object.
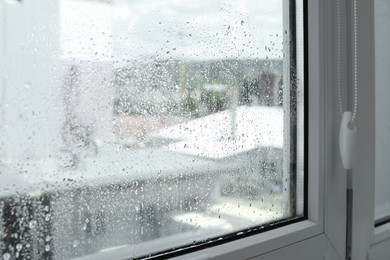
(179, 29)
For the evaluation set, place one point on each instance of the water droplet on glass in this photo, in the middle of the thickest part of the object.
(19, 247)
(75, 243)
(32, 223)
(27, 85)
(47, 248)
(6, 256)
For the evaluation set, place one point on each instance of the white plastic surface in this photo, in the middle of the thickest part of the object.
(347, 140)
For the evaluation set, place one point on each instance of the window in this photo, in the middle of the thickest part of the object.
(139, 128)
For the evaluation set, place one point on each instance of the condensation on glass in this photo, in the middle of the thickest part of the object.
(132, 127)
(382, 107)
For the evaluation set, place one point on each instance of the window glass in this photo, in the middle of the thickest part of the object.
(382, 122)
(129, 128)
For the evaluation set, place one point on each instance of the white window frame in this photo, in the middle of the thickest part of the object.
(324, 232)
(369, 242)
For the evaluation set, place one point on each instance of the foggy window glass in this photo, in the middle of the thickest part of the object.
(129, 128)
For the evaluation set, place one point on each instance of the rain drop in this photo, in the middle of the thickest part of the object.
(6, 256)
(28, 85)
(75, 243)
(19, 247)
(32, 223)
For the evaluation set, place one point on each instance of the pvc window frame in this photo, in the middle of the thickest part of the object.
(312, 230)
(371, 241)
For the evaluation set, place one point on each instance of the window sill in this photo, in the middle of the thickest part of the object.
(242, 248)
(381, 233)
(260, 244)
